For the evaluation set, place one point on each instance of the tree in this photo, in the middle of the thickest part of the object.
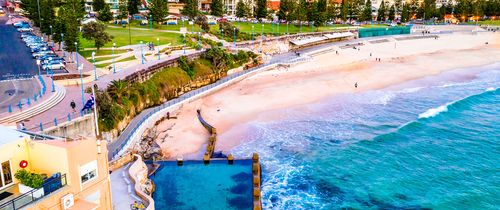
(344, 10)
(158, 9)
(286, 9)
(367, 11)
(47, 14)
(105, 14)
(242, 9)
(98, 5)
(122, 10)
(190, 9)
(320, 8)
(217, 57)
(429, 7)
(133, 6)
(118, 89)
(96, 31)
(71, 12)
(300, 13)
(202, 21)
(261, 10)
(216, 8)
(392, 13)
(381, 16)
(405, 13)
(58, 29)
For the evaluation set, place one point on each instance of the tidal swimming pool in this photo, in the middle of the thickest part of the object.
(195, 185)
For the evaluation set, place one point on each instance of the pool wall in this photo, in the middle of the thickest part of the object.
(138, 173)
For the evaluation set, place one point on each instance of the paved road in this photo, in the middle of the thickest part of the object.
(15, 57)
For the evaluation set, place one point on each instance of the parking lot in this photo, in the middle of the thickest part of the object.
(15, 57)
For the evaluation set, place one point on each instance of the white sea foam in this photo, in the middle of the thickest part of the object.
(383, 99)
(491, 89)
(434, 111)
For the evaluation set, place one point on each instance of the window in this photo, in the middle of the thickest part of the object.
(6, 174)
(88, 171)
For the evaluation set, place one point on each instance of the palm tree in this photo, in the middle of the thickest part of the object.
(118, 89)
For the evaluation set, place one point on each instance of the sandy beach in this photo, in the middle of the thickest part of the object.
(326, 75)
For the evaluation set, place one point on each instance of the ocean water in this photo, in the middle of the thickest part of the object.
(432, 143)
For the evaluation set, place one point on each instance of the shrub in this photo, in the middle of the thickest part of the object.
(29, 179)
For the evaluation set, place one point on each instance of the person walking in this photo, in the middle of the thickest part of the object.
(73, 105)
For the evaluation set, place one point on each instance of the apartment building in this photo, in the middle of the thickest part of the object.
(74, 171)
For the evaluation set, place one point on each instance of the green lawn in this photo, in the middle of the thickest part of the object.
(121, 37)
(121, 60)
(375, 26)
(105, 58)
(88, 53)
(277, 29)
(490, 22)
(190, 28)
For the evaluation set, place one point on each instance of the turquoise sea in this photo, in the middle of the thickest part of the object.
(432, 143)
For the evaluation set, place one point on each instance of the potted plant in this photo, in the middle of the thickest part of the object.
(30, 181)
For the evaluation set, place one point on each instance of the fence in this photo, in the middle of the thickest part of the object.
(49, 186)
(191, 96)
(369, 32)
(58, 120)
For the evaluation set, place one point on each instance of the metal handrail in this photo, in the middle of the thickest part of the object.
(12, 203)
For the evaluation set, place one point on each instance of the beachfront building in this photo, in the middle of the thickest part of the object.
(74, 172)
(112, 3)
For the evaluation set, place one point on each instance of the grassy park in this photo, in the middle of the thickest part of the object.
(121, 37)
(490, 22)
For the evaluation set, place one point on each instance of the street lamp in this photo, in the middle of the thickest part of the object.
(51, 36)
(62, 43)
(158, 39)
(113, 51)
(184, 43)
(287, 27)
(150, 22)
(38, 63)
(81, 74)
(199, 42)
(261, 37)
(142, 56)
(234, 29)
(253, 41)
(95, 69)
(51, 75)
(222, 31)
(39, 16)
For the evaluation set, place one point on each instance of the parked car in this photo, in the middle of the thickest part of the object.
(42, 53)
(47, 56)
(52, 66)
(41, 48)
(20, 24)
(24, 29)
(54, 60)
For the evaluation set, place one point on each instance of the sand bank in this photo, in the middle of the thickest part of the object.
(326, 75)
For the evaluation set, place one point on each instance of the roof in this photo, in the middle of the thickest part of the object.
(10, 135)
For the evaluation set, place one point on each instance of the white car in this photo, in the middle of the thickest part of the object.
(24, 29)
(53, 66)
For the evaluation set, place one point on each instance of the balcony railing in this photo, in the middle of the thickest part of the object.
(50, 185)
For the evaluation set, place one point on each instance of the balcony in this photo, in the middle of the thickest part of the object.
(18, 200)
